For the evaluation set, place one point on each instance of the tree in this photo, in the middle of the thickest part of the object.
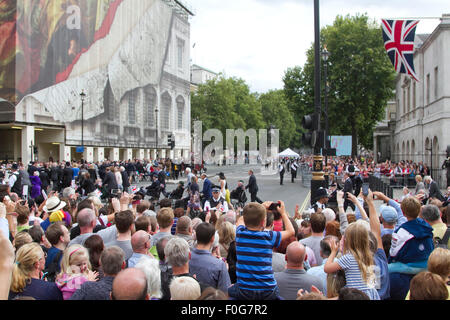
(276, 112)
(226, 103)
(360, 76)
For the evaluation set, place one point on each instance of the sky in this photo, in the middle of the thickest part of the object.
(258, 40)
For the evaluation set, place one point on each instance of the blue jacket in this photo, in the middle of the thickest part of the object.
(412, 242)
(207, 189)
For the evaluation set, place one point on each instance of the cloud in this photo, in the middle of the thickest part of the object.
(257, 40)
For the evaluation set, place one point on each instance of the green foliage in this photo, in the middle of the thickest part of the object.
(360, 76)
(227, 103)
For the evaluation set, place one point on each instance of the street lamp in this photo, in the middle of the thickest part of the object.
(326, 55)
(82, 96)
(156, 121)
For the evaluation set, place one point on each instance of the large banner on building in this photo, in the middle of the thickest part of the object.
(51, 50)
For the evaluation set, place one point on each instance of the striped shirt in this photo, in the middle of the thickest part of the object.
(353, 276)
(254, 258)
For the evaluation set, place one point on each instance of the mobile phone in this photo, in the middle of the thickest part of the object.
(274, 206)
(365, 189)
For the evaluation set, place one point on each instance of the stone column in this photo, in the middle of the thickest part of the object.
(115, 154)
(100, 154)
(27, 141)
(67, 153)
(129, 154)
(89, 154)
(141, 154)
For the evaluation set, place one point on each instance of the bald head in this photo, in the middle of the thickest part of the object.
(295, 254)
(130, 284)
(86, 217)
(139, 241)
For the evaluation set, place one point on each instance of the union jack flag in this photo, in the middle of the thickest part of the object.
(398, 36)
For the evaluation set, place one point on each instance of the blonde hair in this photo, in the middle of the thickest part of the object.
(357, 243)
(227, 233)
(439, 262)
(184, 288)
(21, 239)
(71, 255)
(26, 258)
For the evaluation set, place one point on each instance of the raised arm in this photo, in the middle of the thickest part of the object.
(342, 216)
(360, 207)
(373, 219)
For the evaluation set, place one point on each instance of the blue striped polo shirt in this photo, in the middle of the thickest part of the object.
(254, 258)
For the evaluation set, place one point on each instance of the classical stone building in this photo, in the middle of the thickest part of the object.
(422, 116)
(112, 76)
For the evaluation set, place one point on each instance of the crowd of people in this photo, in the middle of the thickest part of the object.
(91, 236)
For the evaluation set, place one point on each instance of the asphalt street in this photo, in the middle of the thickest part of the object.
(268, 182)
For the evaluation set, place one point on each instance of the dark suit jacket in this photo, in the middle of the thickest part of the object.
(125, 179)
(348, 186)
(207, 188)
(67, 177)
(434, 191)
(252, 186)
(110, 181)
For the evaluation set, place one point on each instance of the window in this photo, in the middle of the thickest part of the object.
(109, 104)
(428, 88)
(409, 100)
(132, 107)
(150, 103)
(180, 109)
(180, 50)
(166, 102)
(436, 82)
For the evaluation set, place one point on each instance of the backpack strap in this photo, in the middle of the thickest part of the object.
(446, 236)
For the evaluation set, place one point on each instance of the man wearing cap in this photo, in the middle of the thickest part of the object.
(216, 202)
(15, 182)
(322, 199)
(388, 217)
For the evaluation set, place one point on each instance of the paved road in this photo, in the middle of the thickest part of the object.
(269, 185)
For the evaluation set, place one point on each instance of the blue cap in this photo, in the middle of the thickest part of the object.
(388, 213)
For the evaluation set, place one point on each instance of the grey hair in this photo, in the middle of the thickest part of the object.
(153, 274)
(112, 259)
(431, 213)
(177, 252)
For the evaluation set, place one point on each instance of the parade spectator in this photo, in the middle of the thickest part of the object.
(184, 230)
(58, 236)
(356, 260)
(431, 214)
(94, 245)
(124, 223)
(294, 277)
(184, 288)
(165, 218)
(325, 251)
(140, 242)
(21, 239)
(411, 246)
(112, 261)
(251, 240)
(153, 274)
(209, 269)
(227, 234)
(27, 275)
(36, 185)
(75, 270)
(352, 294)
(130, 284)
(428, 286)
(213, 294)
(86, 222)
(318, 223)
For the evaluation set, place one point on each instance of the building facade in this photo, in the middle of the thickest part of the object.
(422, 123)
(112, 76)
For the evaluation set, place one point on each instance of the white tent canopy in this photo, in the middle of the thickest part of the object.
(288, 153)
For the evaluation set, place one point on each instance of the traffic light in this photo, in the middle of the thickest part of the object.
(171, 141)
(311, 123)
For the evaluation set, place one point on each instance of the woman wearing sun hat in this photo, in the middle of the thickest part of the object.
(53, 207)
